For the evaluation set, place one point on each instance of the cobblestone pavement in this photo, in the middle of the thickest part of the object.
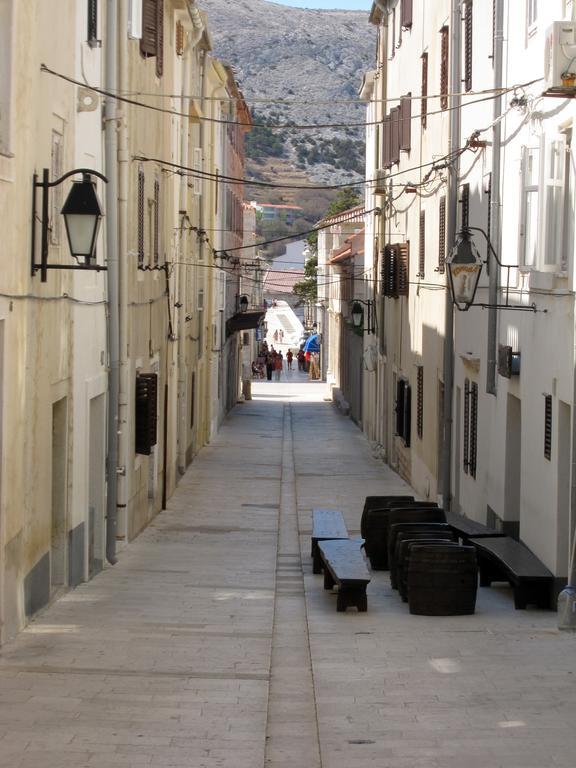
(212, 645)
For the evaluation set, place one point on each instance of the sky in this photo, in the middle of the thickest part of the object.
(329, 5)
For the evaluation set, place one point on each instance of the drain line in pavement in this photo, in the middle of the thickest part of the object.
(292, 730)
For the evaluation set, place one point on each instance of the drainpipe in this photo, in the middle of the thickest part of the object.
(494, 277)
(110, 157)
(452, 217)
(123, 269)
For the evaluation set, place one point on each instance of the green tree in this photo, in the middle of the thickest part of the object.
(307, 289)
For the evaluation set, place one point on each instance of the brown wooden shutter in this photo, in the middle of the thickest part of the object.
(407, 426)
(468, 47)
(159, 37)
(406, 17)
(395, 135)
(156, 221)
(149, 19)
(466, 441)
(422, 245)
(548, 427)
(140, 217)
(389, 263)
(179, 38)
(465, 206)
(92, 36)
(420, 401)
(386, 157)
(403, 268)
(146, 415)
(405, 122)
(424, 91)
(442, 235)
(444, 68)
(473, 427)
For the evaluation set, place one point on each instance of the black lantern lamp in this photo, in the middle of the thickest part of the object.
(357, 314)
(362, 322)
(82, 215)
(464, 268)
(243, 303)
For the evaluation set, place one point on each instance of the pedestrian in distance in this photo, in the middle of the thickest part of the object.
(289, 357)
(269, 366)
(279, 364)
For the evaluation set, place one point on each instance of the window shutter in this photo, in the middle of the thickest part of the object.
(389, 264)
(466, 440)
(146, 412)
(444, 68)
(395, 135)
(386, 157)
(149, 19)
(406, 14)
(140, 218)
(420, 401)
(92, 36)
(156, 221)
(403, 268)
(159, 37)
(473, 427)
(422, 245)
(407, 413)
(548, 427)
(424, 91)
(442, 235)
(400, 386)
(465, 209)
(468, 47)
(405, 122)
(179, 38)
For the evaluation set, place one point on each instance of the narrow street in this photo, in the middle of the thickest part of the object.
(212, 645)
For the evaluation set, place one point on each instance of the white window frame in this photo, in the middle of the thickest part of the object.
(532, 189)
(531, 16)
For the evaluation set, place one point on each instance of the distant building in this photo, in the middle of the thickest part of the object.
(271, 212)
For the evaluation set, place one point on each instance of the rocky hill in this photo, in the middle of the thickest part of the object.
(298, 66)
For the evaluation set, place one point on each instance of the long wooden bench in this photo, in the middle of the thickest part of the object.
(504, 559)
(466, 528)
(344, 565)
(327, 524)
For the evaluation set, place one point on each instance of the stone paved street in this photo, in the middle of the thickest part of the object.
(212, 645)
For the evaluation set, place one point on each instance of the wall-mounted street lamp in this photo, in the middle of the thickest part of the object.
(464, 267)
(82, 214)
(357, 315)
(243, 303)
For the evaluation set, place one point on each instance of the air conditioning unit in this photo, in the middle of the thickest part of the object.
(560, 55)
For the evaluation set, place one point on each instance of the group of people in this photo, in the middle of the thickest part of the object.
(271, 363)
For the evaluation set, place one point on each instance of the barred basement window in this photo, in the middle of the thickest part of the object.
(92, 36)
(444, 43)
(470, 427)
(442, 235)
(403, 411)
(424, 91)
(548, 427)
(468, 46)
(422, 245)
(420, 401)
(140, 217)
(146, 415)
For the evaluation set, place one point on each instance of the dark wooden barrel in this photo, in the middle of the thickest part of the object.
(404, 548)
(442, 580)
(378, 529)
(398, 528)
(398, 558)
(380, 502)
(374, 519)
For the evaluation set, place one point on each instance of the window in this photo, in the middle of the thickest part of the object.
(531, 14)
(547, 196)
(140, 218)
(395, 270)
(422, 245)
(424, 91)
(179, 38)
(403, 411)
(470, 426)
(152, 40)
(395, 135)
(468, 46)
(420, 401)
(444, 68)
(442, 235)
(406, 16)
(146, 415)
(548, 427)
(405, 122)
(92, 34)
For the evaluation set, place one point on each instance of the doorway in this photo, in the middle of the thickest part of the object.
(96, 475)
(513, 471)
(59, 485)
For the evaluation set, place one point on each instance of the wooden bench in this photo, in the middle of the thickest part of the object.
(465, 527)
(344, 565)
(327, 524)
(504, 559)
